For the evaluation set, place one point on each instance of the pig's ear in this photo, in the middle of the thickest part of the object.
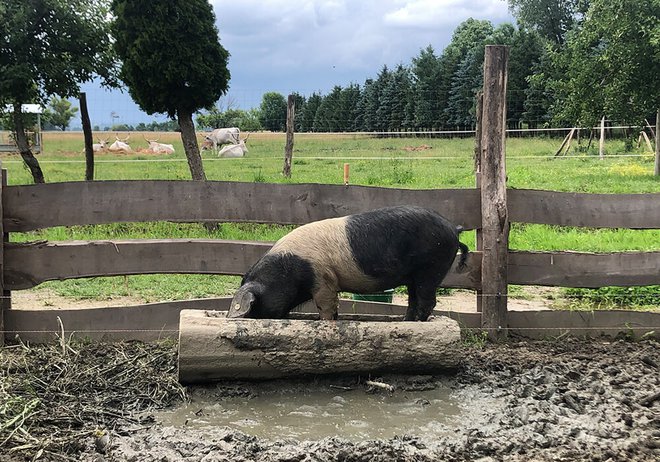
(242, 303)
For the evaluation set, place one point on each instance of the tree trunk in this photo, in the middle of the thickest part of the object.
(213, 347)
(24, 146)
(190, 146)
(87, 132)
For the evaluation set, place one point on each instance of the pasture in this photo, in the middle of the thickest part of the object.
(415, 163)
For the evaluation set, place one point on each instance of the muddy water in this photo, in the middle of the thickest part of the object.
(319, 411)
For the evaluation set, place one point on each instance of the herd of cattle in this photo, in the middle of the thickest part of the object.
(225, 142)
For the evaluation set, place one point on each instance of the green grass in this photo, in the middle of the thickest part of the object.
(320, 159)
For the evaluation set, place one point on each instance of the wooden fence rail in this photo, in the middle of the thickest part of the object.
(30, 207)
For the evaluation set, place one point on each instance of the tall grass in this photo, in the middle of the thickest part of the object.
(447, 163)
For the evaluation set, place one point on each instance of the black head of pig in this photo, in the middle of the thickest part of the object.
(272, 287)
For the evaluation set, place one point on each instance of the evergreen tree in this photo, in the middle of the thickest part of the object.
(425, 80)
(309, 112)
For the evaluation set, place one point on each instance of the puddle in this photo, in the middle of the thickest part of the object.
(313, 413)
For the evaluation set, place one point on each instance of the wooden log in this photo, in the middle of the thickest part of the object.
(212, 347)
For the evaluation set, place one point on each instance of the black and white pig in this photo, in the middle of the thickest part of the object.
(362, 253)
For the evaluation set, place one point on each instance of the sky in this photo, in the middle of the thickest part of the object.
(308, 46)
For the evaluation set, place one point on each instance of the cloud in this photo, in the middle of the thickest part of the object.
(438, 13)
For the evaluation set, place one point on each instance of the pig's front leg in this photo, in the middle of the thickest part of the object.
(327, 299)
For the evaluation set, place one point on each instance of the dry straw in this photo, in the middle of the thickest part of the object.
(54, 398)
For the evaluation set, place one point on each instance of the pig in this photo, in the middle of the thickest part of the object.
(361, 253)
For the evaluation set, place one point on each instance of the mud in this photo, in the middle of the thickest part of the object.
(564, 400)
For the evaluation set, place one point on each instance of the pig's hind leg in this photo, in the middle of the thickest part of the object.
(425, 286)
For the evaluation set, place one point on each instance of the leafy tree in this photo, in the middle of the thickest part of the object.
(59, 113)
(49, 48)
(272, 112)
(552, 19)
(173, 62)
(617, 51)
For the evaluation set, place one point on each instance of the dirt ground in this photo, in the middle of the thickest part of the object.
(565, 400)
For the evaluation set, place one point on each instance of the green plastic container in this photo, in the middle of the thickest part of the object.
(383, 297)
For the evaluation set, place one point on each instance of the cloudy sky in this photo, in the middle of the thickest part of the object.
(312, 45)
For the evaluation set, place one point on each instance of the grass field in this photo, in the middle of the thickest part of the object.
(416, 163)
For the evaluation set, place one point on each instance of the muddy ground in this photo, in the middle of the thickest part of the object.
(557, 401)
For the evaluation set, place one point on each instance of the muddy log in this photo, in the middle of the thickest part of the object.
(212, 347)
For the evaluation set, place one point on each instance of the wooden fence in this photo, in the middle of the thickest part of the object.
(490, 208)
(31, 207)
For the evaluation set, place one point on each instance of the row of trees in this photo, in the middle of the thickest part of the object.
(571, 62)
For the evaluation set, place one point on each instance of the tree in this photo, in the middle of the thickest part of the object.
(308, 113)
(272, 112)
(616, 51)
(49, 48)
(470, 34)
(425, 72)
(552, 19)
(59, 113)
(172, 62)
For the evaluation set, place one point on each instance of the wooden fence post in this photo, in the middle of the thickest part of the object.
(5, 302)
(494, 212)
(601, 144)
(657, 143)
(87, 133)
(477, 177)
(288, 149)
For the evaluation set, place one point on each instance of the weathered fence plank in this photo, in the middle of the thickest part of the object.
(588, 270)
(636, 211)
(29, 207)
(161, 320)
(28, 265)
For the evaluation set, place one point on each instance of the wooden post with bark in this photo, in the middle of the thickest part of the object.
(4, 303)
(494, 212)
(601, 144)
(477, 174)
(288, 149)
(657, 144)
(87, 133)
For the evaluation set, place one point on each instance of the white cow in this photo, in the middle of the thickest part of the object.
(221, 136)
(102, 145)
(120, 145)
(158, 148)
(235, 150)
